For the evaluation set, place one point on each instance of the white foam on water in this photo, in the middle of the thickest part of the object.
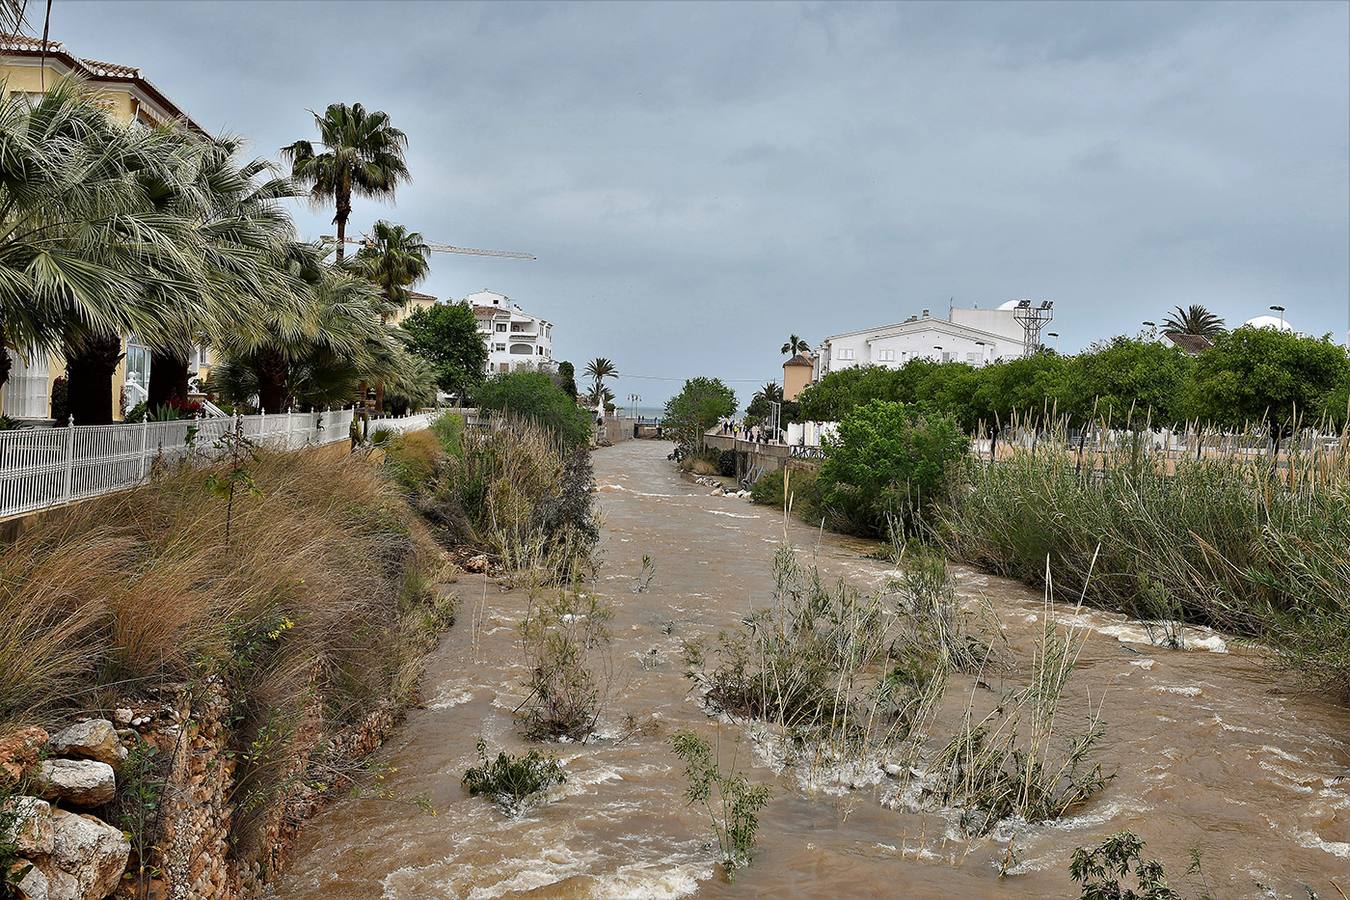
(665, 880)
(451, 695)
(1176, 689)
(1314, 841)
(1143, 663)
(1133, 631)
(722, 512)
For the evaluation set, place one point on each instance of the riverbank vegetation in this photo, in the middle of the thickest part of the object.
(699, 405)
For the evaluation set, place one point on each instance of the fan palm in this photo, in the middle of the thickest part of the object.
(794, 346)
(394, 260)
(361, 155)
(84, 256)
(1195, 319)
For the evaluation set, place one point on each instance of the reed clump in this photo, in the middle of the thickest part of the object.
(1240, 532)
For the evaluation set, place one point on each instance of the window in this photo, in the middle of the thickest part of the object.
(539, 351)
(522, 349)
(948, 356)
(846, 354)
(138, 370)
(26, 391)
(500, 348)
(887, 356)
(501, 326)
(973, 359)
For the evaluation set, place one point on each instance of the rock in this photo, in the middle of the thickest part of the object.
(88, 857)
(33, 885)
(717, 492)
(90, 739)
(81, 782)
(33, 834)
(19, 751)
(123, 716)
(476, 564)
(894, 770)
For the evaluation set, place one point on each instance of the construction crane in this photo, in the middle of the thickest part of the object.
(366, 241)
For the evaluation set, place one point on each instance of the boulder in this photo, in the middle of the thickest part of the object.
(88, 857)
(32, 834)
(91, 739)
(80, 782)
(476, 564)
(19, 751)
(33, 885)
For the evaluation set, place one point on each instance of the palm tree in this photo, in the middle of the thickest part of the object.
(599, 369)
(1195, 319)
(362, 156)
(794, 346)
(84, 255)
(394, 260)
(772, 391)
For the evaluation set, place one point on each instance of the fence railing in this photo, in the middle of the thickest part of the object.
(47, 467)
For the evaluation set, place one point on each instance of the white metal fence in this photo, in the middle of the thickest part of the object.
(46, 467)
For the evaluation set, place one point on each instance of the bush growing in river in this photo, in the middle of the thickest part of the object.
(512, 781)
(1103, 873)
(562, 635)
(731, 802)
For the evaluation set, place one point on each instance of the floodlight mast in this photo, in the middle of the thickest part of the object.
(1033, 320)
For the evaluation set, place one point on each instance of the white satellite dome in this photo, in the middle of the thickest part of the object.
(1268, 322)
(1011, 304)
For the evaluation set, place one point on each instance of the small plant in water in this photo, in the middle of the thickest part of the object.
(645, 574)
(731, 802)
(560, 635)
(512, 781)
(1104, 872)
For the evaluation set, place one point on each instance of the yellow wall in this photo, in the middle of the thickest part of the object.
(795, 380)
(409, 308)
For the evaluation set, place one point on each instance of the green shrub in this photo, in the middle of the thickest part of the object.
(800, 485)
(731, 802)
(888, 460)
(534, 396)
(513, 782)
(726, 463)
(1101, 871)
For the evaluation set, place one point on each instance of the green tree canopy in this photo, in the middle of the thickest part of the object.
(1127, 382)
(1251, 374)
(533, 395)
(696, 408)
(446, 335)
(566, 378)
(888, 459)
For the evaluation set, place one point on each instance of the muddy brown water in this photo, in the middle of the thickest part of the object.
(1210, 749)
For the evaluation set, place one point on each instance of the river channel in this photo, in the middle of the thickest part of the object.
(1210, 750)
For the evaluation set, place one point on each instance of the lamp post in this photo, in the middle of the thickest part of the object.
(1055, 335)
(1280, 310)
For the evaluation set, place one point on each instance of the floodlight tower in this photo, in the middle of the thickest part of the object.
(1033, 320)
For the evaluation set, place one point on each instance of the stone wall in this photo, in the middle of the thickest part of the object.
(70, 776)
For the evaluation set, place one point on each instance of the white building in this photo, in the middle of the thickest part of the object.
(975, 336)
(515, 339)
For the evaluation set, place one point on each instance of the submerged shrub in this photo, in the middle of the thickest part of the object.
(561, 635)
(512, 782)
(1103, 873)
(730, 801)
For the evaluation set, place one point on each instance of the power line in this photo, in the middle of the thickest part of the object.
(685, 378)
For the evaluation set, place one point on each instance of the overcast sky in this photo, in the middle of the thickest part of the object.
(700, 180)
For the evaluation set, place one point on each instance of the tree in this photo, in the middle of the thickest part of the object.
(1195, 319)
(599, 369)
(533, 395)
(888, 459)
(446, 335)
(1252, 375)
(696, 408)
(759, 409)
(84, 255)
(794, 346)
(362, 155)
(1127, 382)
(394, 261)
(566, 378)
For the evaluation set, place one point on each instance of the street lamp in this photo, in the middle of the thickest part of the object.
(1055, 335)
(1280, 310)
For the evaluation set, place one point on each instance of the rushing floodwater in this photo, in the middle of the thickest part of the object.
(1210, 750)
